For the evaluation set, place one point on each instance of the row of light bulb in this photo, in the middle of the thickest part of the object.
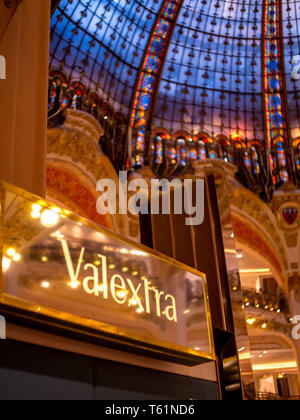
(45, 284)
(48, 218)
(252, 321)
(11, 255)
(266, 307)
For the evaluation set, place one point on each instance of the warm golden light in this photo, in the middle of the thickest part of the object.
(264, 325)
(6, 262)
(138, 253)
(36, 208)
(122, 294)
(251, 321)
(255, 271)
(56, 210)
(74, 285)
(17, 257)
(49, 219)
(45, 284)
(273, 366)
(35, 214)
(245, 356)
(133, 302)
(11, 252)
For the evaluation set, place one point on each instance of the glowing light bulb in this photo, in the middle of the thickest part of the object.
(251, 321)
(133, 302)
(35, 215)
(17, 257)
(6, 262)
(45, 284)
(122, 294)
(49, 219)
(74, 284)
(56, 210)
(11, 252)
(36, 208)
(139, 311)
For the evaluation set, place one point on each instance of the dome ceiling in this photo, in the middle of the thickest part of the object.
(212, 76)
(291, 39)
(211, 80)
(102, 43)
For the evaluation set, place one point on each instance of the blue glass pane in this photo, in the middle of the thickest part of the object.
(102, 43)
(212, 77)
(291, 40)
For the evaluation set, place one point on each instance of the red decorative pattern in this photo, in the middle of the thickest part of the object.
(68, 186)
(246, 234)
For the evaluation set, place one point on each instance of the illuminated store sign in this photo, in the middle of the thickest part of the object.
(123, 292)
(74, 277)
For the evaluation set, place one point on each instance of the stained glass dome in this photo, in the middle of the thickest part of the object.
(183, 76)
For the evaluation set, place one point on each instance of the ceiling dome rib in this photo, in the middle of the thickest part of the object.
(149, 78)
(209, 91)
(102, 43)
(212, 76)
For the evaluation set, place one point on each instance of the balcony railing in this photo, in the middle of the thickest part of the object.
(275, 397)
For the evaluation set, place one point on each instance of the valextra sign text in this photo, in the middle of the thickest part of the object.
(99, 284)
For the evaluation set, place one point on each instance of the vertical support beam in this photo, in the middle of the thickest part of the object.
(24, 96)
(275, 106)
(148, 80)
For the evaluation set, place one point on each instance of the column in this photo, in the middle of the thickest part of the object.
(24, 44)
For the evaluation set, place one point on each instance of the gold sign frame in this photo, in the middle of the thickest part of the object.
(46, 319)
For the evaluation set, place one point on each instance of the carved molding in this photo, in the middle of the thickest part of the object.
(74, 148)
(253, 210)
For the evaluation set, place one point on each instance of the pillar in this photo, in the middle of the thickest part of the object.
(24, 44)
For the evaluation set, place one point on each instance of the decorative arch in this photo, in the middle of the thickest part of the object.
(72, 191)
(248, 236)
(76, 163)
(255, 226)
